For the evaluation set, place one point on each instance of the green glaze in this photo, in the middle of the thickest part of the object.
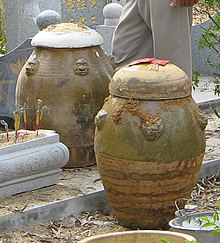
(182, 137)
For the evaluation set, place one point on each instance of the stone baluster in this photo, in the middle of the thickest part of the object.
(46, 18)
(111, 13)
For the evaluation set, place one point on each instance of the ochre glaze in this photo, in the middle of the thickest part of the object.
(73, 84)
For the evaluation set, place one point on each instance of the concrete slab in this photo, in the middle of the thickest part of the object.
(207, 106)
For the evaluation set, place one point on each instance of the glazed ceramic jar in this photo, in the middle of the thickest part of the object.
(70, 73)
(149, 143)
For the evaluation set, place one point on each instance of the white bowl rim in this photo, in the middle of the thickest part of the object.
(161, 232)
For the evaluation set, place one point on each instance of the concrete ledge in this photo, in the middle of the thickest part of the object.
(61, 209)
(207, 106)
(209, 168)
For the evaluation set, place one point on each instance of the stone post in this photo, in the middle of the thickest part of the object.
(111, 13)
(46, 18)
(20, 21)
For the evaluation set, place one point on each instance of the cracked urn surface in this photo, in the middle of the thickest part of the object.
(149, 143)
(70, 73)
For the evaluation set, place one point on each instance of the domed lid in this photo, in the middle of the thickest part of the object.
(150, 81)
(67, 35)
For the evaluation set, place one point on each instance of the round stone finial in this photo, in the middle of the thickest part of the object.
(46, 18)
(112, 11)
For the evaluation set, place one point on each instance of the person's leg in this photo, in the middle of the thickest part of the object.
(152, 28)
(132, 38)
(171, 30)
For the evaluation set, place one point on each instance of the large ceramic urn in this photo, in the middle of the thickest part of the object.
(69, 73)
(149, 143)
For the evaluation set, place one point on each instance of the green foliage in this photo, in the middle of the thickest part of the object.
(216, 81)
(194, 241)
(213, 222)
(195, 79)
(2, 28)
(215, 110)
(210, 3)
(164, 240)
(207, 222)
(210, 222)
(211, 39)
(3, 44)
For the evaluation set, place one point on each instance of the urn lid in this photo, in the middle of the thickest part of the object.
(67, 35)
(149, 81)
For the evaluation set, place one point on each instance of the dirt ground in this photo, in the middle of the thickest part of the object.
(65, 231)
(73, 183)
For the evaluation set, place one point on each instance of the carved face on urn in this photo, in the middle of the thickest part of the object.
(81, 66)
(32, 66)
